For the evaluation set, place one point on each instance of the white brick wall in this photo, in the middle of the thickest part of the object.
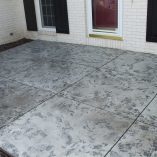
(11, 20)
(134, 26)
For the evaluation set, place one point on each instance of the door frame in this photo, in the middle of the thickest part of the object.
(118, 32)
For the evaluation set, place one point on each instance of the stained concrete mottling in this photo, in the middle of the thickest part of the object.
(69, 100)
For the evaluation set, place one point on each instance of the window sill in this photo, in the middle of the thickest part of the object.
(111, 37)
(47, 32)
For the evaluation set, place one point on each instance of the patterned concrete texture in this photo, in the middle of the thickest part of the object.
(68, 100)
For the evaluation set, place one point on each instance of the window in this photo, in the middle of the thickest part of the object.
(45, 14)
(105, 17)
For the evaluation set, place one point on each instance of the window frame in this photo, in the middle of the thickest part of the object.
(117, 32)
(39, 19)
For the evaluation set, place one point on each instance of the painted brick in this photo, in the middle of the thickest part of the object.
(134, 26)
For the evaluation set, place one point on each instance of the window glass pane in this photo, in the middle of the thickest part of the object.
(45, 20)
(47, 13)
(43, 2)
(50, 21)
(44, 10)
(105, 14)
(48, 2)
(49, 10)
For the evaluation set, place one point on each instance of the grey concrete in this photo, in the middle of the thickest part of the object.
(62, 127)
(149, 116)
(17, 99)
(53, 76)
(61, 99)
(139, 141)
(124, 86)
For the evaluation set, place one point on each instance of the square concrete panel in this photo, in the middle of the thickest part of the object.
(120, 94)
(141, 67)
(17, 99)
(62, 127)
(139, 141)
(149, 116)
(100, 93)
(88, 55)
(54, 75)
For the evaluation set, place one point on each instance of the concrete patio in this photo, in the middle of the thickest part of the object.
(67, 100)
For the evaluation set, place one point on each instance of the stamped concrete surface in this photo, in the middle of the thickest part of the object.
(69, 100)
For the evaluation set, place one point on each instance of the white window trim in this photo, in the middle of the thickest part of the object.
(117, 32)
(39, 19)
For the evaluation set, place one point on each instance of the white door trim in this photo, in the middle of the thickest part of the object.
(117, 32)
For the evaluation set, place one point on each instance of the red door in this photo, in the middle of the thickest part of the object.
(105, 14)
